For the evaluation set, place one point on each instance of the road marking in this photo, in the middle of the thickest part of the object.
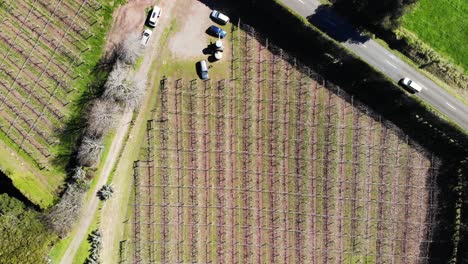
(391, 64)
(364, 45)
(451, 106)
(302, 2)
(392, 56)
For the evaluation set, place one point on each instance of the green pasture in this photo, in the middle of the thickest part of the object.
(443, 25)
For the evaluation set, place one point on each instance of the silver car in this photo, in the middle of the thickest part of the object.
(203, 70)
(145, 37)
(219, 17)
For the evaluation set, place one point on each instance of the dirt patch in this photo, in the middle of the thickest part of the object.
(127, 19)
(191, 39)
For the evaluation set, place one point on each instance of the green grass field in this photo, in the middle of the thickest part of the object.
(442, 25)
(40, 185)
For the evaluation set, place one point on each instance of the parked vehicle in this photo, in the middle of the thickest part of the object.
(154, 16)
(216, 31)
(145, 37)
(219, 17)
(406, 82)
(203, 68)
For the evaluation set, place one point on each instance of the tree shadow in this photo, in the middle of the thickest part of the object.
(7, 186)
(70, 134)
(335, 26)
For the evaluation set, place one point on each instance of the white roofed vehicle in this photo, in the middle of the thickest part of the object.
(415, 87)
(154, 16)
(203, 68)
(145, 37)
(219, 17)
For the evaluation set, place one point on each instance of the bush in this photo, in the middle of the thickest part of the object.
(24, 238)
(105, 192)
(95, 238)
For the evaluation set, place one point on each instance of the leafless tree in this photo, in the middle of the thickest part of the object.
(89, 151)
(136, 94)
(123, 89)
(78, 173)
(117, 83)
(130, 49)
(62, 216)
(116, 79)
(101, 117)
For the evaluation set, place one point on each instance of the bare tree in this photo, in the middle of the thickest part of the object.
(136, 94)
(130, 49)
(78, 173)
(117, 84)
(90, 151)
(116, 79)
(62, 216)
(101, 117)
(122, 89)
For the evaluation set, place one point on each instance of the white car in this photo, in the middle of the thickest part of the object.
(145, 37)
(411, 85)
(219, 17)
(154, 16)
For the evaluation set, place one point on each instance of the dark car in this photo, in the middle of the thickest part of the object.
(216, 31)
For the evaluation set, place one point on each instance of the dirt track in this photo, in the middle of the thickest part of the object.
(128, 19)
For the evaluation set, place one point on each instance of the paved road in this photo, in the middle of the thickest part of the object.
(380, 58)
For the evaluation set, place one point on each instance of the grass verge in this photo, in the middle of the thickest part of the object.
(83, 251)
(442, 24)
(452, 91)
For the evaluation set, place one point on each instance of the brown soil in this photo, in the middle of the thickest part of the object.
(191, 39)
(128, 19)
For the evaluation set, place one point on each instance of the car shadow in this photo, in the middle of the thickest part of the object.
(335, 26)
(198, 69)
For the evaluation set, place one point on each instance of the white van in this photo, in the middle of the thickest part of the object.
(411, 85)
(154, 16)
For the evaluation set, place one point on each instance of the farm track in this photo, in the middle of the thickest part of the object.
(273, 166)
